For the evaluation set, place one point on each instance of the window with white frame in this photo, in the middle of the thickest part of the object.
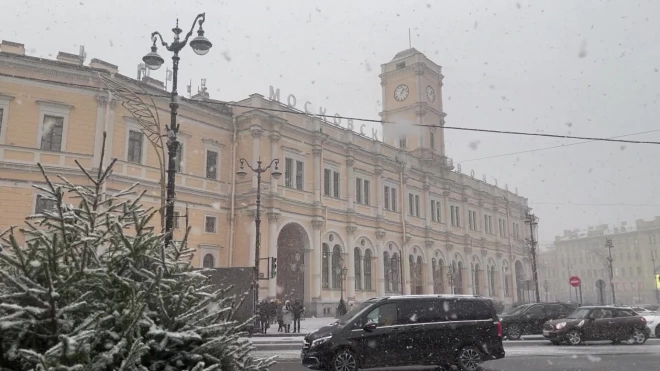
(502, 224)
(331, 183)
(177, 215)
(52, 131)
(472, 219)
(179, 157)
(455, 216)
(210, 224)
(516, 229)
(436, 211)
(53, 121)
(413, 205)
(362, 191)
(135, 146)
(44, 204)
(389, 198)
(211, 164)
(4, 115)
(294, 173)
(488, 224)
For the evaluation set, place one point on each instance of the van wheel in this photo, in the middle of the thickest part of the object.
(469, 359)
(514, 332)
(344, 360)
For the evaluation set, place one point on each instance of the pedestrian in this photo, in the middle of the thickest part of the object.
(287, 316)
(298, 311)
(263, 316)
(272, 311)
(280, 321)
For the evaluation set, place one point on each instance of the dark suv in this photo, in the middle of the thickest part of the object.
(528, 319)
(408, 331)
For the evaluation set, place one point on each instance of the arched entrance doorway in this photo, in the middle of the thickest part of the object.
(291, 245)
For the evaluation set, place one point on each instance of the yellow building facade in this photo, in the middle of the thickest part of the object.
(345, 199)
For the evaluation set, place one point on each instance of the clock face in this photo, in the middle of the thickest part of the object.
(430, 94)
(401, 92)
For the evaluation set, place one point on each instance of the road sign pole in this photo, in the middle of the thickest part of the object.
(580, 293)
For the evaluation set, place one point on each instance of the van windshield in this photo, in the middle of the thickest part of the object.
(353, 312)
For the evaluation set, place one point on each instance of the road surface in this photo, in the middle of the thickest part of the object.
(539, 358)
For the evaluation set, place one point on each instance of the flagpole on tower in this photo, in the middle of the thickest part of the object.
(409, 39)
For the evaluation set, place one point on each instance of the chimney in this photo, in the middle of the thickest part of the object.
(69, 58)
(12, 47)
(103, 65)
(153, 82)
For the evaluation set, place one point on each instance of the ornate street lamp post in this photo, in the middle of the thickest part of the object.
(275, 173)
(200, 45)
(533, 223)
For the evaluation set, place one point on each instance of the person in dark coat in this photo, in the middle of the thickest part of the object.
(297, 309)
(280, 319)
(263, 316)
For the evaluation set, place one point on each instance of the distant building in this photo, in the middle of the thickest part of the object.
(583, 253)
(345, 199)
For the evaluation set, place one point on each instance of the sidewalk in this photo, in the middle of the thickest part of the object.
(307, 325)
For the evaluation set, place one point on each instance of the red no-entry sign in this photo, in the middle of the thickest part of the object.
(574, 281)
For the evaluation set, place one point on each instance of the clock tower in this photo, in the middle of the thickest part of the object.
(412, 96)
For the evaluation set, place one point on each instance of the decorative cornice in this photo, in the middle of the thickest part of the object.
(429, 243)
(272, 217)
(378, 170)
(256, 132)
(380, 233)
(317, 152)
(350, 229)
(292, 149)
(317, 223)
(350, 162)
(54, 103)
(275, 138)
(212, 142)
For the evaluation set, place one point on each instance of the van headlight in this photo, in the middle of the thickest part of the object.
(320, 341)
(560, 325)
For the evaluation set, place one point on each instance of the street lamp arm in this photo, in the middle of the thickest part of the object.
(275, 162)
(245, 162)
(201, 17)
(154, 39)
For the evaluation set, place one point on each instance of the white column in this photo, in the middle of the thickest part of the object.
(274, 153)
(318, 171)
(407, 282)
(464, 215)
(256, 144)
(272, 252)
(316, 259)
(429, 267)
(427, 202)
(447, 209)
(351, 182)
(380, 264)
(350, 245)
(379, 189)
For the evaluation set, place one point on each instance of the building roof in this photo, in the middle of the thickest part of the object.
(406, 53)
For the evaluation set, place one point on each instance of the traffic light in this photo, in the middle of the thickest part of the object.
(273, 268)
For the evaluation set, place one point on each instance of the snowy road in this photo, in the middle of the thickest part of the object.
(515, 349)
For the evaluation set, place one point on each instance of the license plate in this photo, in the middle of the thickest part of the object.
(546, 332)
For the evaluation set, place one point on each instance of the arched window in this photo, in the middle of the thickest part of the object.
(336, 267)
(438, 276)
(477, 280)
(326, 266)
(357, 256)
(367, 270)
(396, 276)
(387, 268)
(209, 261)
(459, 279)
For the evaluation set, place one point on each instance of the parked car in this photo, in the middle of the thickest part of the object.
(528, 319)
(652, 321)
(439, 330)
(598, 323)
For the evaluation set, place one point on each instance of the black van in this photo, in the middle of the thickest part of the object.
(415, 330)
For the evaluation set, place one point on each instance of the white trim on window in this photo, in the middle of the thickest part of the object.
(217, 150)
(364, 195)
(134, 126)
(334, 171)
(414, 207)
(213, 250)
(391, 200)
(436, 211)
(4, 118)
(57, 109)
(294, 179)
(215, 226)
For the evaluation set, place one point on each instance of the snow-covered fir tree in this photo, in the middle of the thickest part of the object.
(93, 288)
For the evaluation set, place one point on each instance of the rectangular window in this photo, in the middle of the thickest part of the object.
(455, 216)
(358, 190)
(472, 216)
(177, 216)
(330, 183)
(179, 157)
(288, 172)
(390, 198)
(367, 186)
(402, 143)
(327, 175)
(211, 164)
(417, 213)
(210, 224)
(51, 133)
(413, 205)
(300, 175)
(386, 198)
(135, 141)
(44, 204)
(433, 217)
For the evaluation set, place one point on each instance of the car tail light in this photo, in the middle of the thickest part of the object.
(643, 320)
(499, 329)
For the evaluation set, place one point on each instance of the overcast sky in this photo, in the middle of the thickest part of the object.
(587, 68)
